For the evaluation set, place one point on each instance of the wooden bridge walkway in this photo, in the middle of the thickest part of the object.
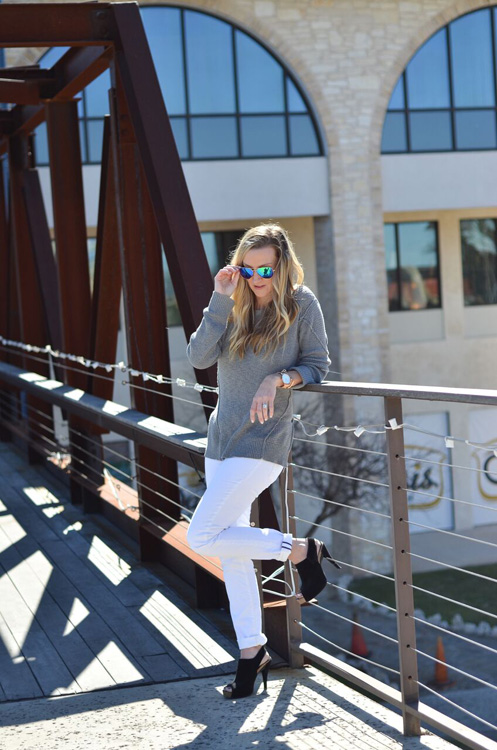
(79, 614)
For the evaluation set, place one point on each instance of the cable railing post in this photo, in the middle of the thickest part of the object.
(288, 525)
(406, 627)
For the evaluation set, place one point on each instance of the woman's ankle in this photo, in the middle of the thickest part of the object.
(299, 551)
(249, 653)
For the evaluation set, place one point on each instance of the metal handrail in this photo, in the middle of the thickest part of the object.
(188, 447)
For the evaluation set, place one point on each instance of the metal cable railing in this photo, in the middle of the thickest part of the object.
(389, 545)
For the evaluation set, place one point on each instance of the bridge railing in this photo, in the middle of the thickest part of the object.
(384, 477)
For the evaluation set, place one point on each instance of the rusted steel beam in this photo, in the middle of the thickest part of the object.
(165, 179)
(53, 24)
(107, 285)
(32, 327)
(75, 70)
(70, 231)
(4, 260)
(44, 256)
(26, 72)
(19, 92)
(145, 312)
(5, 434)
(72, 265)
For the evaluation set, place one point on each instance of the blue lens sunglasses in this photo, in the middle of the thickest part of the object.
(265, 272)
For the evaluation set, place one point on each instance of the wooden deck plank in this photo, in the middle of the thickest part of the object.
(16, 678)
(85, 544)
(30, 572)
(44, 661)
(122, 663)
(83, 578)
(124, 620)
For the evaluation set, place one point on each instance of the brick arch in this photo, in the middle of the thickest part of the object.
(423, 33)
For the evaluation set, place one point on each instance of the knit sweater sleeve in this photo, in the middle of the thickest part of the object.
(313, 362)
(204, 347)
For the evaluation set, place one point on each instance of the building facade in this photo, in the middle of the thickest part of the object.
(368, 129)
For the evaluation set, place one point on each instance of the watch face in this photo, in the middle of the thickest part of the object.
(286, 378)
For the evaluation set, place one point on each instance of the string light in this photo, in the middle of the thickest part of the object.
(357, 430)
(375, 429)
(95, 364)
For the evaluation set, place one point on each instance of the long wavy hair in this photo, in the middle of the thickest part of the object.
(269, 332)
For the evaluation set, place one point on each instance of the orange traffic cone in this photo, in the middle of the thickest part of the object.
(358, 644)
(441, 677)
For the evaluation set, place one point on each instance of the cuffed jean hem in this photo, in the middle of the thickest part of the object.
(250, 641)
(286, 548)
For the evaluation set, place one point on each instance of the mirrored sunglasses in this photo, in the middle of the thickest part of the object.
(265, 272)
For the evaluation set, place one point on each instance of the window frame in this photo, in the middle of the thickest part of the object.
(398, 275)
(452, 109)
(188, 117)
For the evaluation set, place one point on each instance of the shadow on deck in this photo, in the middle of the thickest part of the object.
(79, 614)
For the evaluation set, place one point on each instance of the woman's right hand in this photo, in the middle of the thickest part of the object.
(226, 279)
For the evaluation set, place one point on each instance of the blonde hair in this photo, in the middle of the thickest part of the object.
(270, 331)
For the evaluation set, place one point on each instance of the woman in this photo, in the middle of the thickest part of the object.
(266, 332)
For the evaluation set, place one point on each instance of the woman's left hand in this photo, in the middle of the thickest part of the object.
(263, 401)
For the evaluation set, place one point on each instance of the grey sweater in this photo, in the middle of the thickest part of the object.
(230, 431)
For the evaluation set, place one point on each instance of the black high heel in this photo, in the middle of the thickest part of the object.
(246, 674)
(312, 577)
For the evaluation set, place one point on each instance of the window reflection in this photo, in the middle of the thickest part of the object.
(209, 60)
(427, 75)
(210, 73)
(260, 77)
(411, 256)
(479, 261)
(471, 58)
(163, 29)
(453, 74)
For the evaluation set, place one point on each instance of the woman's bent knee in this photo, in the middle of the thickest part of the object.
(195, 538)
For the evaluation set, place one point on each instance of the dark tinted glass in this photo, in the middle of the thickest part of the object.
(397, 100)
(475, 129)
(41, 144)
(303, 139)
(97, 96)
(391, 266)
(95, 130)
(479, 261)
(82, 140)
(179, 126)
(418, 265)
(263, 136)
(260, 77)
(394, 137)
(214, 137)
(163, 29)
(209, 52)
(428, 75)
(430, 131)
(295, 103)
(472, 63)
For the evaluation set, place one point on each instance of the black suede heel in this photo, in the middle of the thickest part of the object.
(312, 577)
(246, 674)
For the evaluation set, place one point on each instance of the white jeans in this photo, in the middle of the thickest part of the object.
(221, 527)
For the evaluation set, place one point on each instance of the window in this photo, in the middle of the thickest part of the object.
(218, 247)
(413, 276)
(479, 261)
(226, 95)
(445, 100)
